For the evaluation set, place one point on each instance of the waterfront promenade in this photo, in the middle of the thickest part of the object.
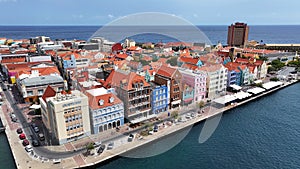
(25, 160)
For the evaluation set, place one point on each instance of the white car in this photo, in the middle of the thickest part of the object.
(28, 148)
(150, 132)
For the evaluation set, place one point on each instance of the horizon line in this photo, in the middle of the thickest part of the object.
(145, 25)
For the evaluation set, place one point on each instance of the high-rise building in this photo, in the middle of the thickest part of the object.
(237, 34)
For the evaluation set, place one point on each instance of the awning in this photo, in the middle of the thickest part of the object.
(188, 100)
(242, 95)
(271, 85)
(236, 87)
(176, 102)
(225, 99)
(256, 90)
(35, 106)
(257, 81)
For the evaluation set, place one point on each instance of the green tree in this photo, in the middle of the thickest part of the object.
(172, 61)
(271, 69)
(90, 146)
(274, 79)
(144, 63)
(201, 104)
(277, 64)
(175, 114)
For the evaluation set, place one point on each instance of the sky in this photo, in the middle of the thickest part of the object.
(101, 12)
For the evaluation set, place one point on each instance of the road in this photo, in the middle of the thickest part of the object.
(27, 129)
(286, 71)
(46, 153)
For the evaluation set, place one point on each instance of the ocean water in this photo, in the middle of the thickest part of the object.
(269, 34)
(262, 134)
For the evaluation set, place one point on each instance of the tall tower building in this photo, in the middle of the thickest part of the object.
(237, 34)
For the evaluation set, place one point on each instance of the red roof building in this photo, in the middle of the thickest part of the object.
(170, 77)
(135, 93)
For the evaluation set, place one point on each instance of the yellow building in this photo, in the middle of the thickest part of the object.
(66, 116)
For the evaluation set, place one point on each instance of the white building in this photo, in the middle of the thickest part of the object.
(66, 116)
(216, 81)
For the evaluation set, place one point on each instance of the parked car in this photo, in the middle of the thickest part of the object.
(130, 137)
(28, 148)
(22, 136)
(41, 136)
(150, 132)
(110, 145)
(25, 142)
(155, 129)
(56, 161)
(13, 117)
(35, 127)
(97, 144)
(35, 143)
(19, 130)
(101, 149)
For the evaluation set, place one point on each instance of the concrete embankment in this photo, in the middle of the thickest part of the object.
(106, 155)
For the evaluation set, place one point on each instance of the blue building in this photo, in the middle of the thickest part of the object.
(231, 78)
(106, 110)
(69, 62)
(159, 101)
(239, 77)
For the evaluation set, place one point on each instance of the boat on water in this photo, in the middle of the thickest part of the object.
(2, 129)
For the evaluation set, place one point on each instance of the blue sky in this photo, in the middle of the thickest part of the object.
(101, 12)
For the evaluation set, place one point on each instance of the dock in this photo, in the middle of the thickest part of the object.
(24, 160)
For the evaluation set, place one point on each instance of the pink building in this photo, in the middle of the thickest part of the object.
(197, 81)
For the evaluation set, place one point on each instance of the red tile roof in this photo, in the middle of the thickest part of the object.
(162, 60)
(166, 71)
(49, 92)
(147, 58)
(116, 78)
(210, 67)
(121, 56)
(94, 100)
(193, 61)
(13, 60)
(242, 60)
(189, 66)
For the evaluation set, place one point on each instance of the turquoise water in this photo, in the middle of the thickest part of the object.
(6, 158)
(262, 134)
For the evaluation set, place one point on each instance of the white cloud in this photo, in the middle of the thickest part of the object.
(195, 15)
(111, 16)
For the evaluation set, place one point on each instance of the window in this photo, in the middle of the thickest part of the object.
(30, 93)
(60, 89)
(40, 92)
